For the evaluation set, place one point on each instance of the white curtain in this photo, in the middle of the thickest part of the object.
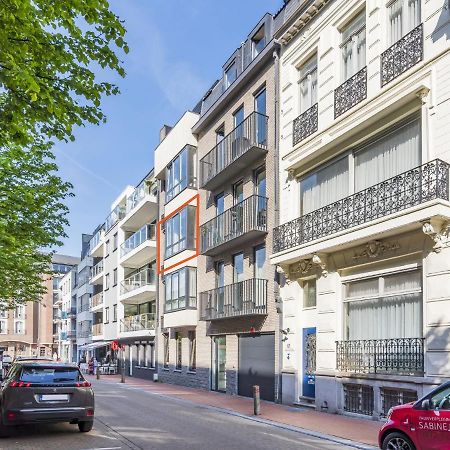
(325, 186)
(308, 84)
(391, 155)
(404, 16)
(354, 46)
(395, 21)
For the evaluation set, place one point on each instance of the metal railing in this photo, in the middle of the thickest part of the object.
(245, 298)
(97, 300)
(305, 124)
(252, 132)
(147, 232)
(350, 93)
(97, 269)
(358, 399)
(137, 323)
(404, 54)
(97, 329)
(84, 334)
(391, 397)
(402, 356)
(95, 239)
(248, 215)
(414, 187)
(140, 279)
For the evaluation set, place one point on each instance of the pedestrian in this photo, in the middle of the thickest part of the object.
(95, 365)
(91, 366)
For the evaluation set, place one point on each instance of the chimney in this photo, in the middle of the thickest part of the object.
(165, 130)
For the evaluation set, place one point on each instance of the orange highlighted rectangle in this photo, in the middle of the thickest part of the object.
(160, 268)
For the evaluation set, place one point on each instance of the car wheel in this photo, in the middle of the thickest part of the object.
(397, 441)
(85, 427)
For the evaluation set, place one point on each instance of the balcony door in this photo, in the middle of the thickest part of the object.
(237, 213)
(261, 192)
(237, 144)
(404, 16)
(220, 150)
(260, 119)
(257, 297)
(220, 283)
(238, 278)
(220, 208)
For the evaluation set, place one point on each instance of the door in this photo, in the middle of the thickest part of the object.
(309, 363)
(238, 278)
(219, 353)
(261, 192)
(260, 119)
(220, 208)
(237, 214)
(257, 365)
(220, 282)
(238, 134)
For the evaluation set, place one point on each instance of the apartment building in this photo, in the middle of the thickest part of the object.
(364, 180)
(84, 293)
(237, 336)
(177, 231)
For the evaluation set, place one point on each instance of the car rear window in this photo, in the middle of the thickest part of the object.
(50, 375)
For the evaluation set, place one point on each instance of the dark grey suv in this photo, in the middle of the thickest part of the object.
(44, 391)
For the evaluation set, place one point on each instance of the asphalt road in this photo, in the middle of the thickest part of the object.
(127, 418)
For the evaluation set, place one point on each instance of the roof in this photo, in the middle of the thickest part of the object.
(43, 363)
(65, 259)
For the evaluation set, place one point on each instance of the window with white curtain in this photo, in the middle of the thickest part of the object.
(404, 16)
(308, 84)
(353, 46)
(384, 307)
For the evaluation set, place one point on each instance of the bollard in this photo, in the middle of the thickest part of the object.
(98, 373)
(256, 401)
(122, 374)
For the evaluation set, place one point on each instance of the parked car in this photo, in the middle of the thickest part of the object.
(423, 425)
(36, 391)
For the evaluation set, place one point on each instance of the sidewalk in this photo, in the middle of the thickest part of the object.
(358, 430)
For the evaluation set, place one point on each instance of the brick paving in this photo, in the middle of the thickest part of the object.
(358, 430)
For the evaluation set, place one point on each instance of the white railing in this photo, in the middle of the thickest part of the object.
(138, 323)
(147, 232)
(143, 278)
(97, 269)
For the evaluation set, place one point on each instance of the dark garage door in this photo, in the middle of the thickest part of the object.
(257, 365)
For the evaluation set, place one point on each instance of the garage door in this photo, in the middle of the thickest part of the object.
(257, 365)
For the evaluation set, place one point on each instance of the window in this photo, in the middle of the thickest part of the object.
(166, 350)
(358, 399)
(230, 74)
(3, 327)
(115, 313)
(107, 314)
(192, 351)
(180, 232)
(178, 348)
(19, 312)
(107, 281)
(309, 293)
(19, 327)
(261, 192)
(3, 314)
(181, 289)
(220, 203)
(42, 351)
(261, 124)
(238, 192)
(180, 173)
(258, 42)
(385, 307)
(115, 242)
(308, 84)
(353, 46)
(404, 16)
(107, 248)
(114, 277)
(260, 260)
(441, 400)
(238, 116)
(238, 267)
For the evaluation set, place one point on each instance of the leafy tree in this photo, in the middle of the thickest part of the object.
(51, 55)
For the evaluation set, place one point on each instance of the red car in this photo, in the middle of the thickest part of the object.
(423, 425)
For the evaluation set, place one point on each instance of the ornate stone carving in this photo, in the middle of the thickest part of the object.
(304, 266)
(321, 261)
(374, 249)
(439, 231)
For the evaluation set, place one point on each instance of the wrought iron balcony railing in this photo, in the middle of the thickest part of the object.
(247, 216)
(402, 356)
(305, 124)
(139, 322)
(245, 298)
(404, 54)
(414, 187)
(140, 279)
(250, 134)
(147, 232)
(97, 329)
(350, 93)
(97, 300)
(97, 269)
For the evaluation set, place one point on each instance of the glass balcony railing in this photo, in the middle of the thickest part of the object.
(95, 240)
(138, 194)
(97, 299)
(97, 269)
(138, 323)
(147, 232)
(97, 329)
(138, 280)
(116, 214)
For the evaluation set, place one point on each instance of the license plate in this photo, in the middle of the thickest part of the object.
(54, 397)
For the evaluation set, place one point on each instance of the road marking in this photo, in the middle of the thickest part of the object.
(104, 448)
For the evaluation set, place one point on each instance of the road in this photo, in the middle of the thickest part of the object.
(128, 418)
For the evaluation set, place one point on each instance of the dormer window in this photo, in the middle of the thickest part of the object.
(230, 74)
(258, 42)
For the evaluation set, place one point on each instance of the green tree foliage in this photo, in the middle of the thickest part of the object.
(51, 55)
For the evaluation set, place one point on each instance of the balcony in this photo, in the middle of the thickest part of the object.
(140, 325)
(97, 330)
(96, 244)
(97, 301)
(403, 356)
(404, 54)
(72, 334)
(139, 248)
(350, 93)
(97, 273)
(305, 124)
(242, 222)
(140, 206)
(245, 298)
(138, 288)
(118, 213)
(407, 190)
(62, 336)
(84, 334)
(237, 151)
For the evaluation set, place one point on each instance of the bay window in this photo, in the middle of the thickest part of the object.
(353, 46)
(404, 16)
(180, 173)
(180, 289)
(180, 232)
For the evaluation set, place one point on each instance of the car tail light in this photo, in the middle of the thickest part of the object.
(83, 384)
(10, 415)
(20, 384)
(90, 412)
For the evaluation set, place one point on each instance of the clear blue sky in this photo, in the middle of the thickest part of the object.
(177, 49)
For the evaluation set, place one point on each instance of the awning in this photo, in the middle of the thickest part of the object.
(93, 345)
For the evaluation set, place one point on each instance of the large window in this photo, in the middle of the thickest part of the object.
(180, 173)
(308, 84)
(384, 307)
(404, 16)
(309, 293)
(3, 327)
(353, 46)
(181, 289)
(192, 351)
(258, 42)
(180, 231)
